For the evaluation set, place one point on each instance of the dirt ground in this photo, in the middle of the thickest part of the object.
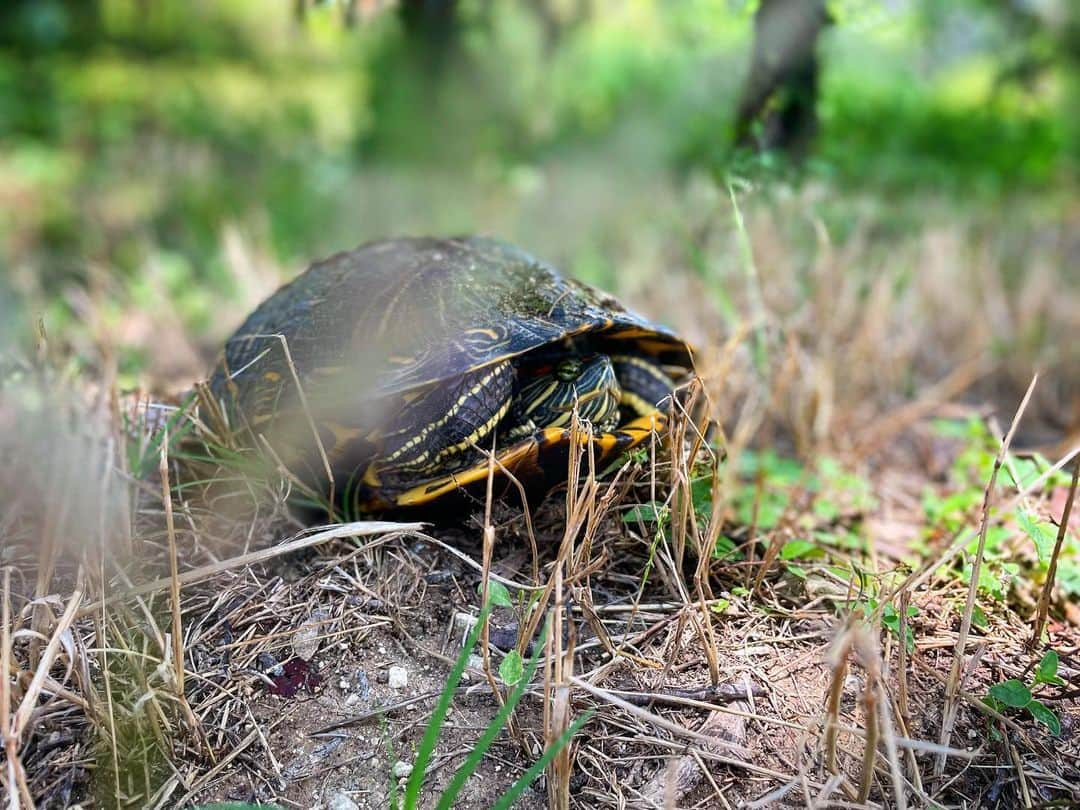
(312, 676)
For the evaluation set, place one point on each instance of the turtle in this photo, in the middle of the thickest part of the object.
(412, 360)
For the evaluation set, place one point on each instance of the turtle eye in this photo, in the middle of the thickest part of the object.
(568, 370)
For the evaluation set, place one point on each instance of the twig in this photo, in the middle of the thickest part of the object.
(1051, 574)
(839, 669)
(719, 694)
(309, 417)
(952, 686)
(174, 572)
(362, 528)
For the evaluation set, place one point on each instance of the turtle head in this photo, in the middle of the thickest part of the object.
(548, 394)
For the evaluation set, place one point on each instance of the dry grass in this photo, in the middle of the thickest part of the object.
(142, 635)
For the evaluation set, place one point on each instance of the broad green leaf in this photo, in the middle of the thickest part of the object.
(1046, 672)
(1011, 693)
(890, 617)
(701, 491)
(725, 547)
(979, 618)
(1045, 716)
(1027, 471)
(499, 594)
(1042, 534)
(653, 512)
(794, 549)
(512, 668)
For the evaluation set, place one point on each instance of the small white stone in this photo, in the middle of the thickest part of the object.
(402, 769)
(341, 801)
(397, 677)
(352, 699)
(464, 621)
(343, 683)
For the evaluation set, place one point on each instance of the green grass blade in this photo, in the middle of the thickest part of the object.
(143, 465)
(446, 800)
(537, 768)
(431, 735)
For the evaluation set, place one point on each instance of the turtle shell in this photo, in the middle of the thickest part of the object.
(363, 330)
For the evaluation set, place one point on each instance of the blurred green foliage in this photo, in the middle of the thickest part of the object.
(129, 128)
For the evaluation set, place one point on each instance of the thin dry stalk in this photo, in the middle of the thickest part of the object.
(559, 770)
(361, 528)
(1018, 764)
(674, 728)
(953, 685)
(839, 670)
(902, 662)
(575, 517)
(870, 718)
(310, 419)
(875, 704)
(174, 570)
(1043, 607)
(14, 727)
(16, 776)
(485, 588)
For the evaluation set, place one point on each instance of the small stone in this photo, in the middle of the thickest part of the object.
(352, 699)
(464, 622)
(341, 801)
(305, 641)
(402, 769)
(343, 684)
(397, 677)
(269, 665)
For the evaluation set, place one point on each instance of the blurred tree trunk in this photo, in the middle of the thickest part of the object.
(431, 29)
(778, 106)
(31, 24)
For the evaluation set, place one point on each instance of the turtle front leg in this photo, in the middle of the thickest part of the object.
(440, 428)
(645, 385)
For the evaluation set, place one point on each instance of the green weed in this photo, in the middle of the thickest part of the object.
(1015, 694)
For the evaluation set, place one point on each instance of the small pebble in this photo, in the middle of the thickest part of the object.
(397, 677)
(402, 769)
(269, 665)
(305, 641)
(341, 801)
(464, 622)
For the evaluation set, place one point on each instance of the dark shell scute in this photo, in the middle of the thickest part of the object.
(400, 314)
